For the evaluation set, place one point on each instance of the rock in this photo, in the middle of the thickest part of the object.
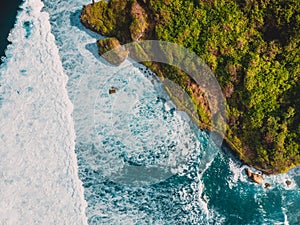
(288, 182)
(112, 90)
(138, 24)
(267, 185)
(112, 51)
(92, 14)
(257, 178)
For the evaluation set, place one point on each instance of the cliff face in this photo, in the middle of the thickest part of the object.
(256, 69)
(139, 24)
(125, 20)
(111, 18)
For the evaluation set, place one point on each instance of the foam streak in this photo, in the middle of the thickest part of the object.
(38, 168)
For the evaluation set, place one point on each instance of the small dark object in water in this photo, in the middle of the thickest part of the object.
(288, 182)
(112, 90)
(267, 185)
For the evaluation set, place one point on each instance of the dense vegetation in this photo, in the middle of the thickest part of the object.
(253, 48)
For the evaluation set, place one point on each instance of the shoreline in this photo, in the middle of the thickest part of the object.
(143, 28)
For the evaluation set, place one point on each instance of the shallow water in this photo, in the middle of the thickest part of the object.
(139, 159)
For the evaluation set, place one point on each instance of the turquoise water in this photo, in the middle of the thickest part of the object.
(172, 175)
(243, 202)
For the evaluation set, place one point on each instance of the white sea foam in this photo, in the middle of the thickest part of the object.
(236, 173)
(130, 124)
(39, 182)
(281, 179)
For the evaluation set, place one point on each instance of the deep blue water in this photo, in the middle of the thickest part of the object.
(8, 12)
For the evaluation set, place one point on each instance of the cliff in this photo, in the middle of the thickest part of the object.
(251, 46)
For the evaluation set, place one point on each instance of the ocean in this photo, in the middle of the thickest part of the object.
(71, 153)
(8, 12)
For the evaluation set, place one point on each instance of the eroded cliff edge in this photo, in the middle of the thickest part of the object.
(256, 64)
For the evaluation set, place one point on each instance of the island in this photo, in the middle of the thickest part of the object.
(252, 46)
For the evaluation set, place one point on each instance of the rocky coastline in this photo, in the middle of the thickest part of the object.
(132, 21)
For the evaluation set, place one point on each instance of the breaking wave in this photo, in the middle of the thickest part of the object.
(139, 159)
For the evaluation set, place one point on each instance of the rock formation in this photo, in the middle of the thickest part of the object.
(288, 182)
(257, 178)
(112, 51)
(139, 24)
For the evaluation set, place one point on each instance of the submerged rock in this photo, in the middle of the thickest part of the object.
(112, 90)
(112, 51)
(257, 178)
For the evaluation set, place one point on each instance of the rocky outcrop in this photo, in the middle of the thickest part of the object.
(136, 20)
(112, 51)
(257, 178)
(139, 24)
